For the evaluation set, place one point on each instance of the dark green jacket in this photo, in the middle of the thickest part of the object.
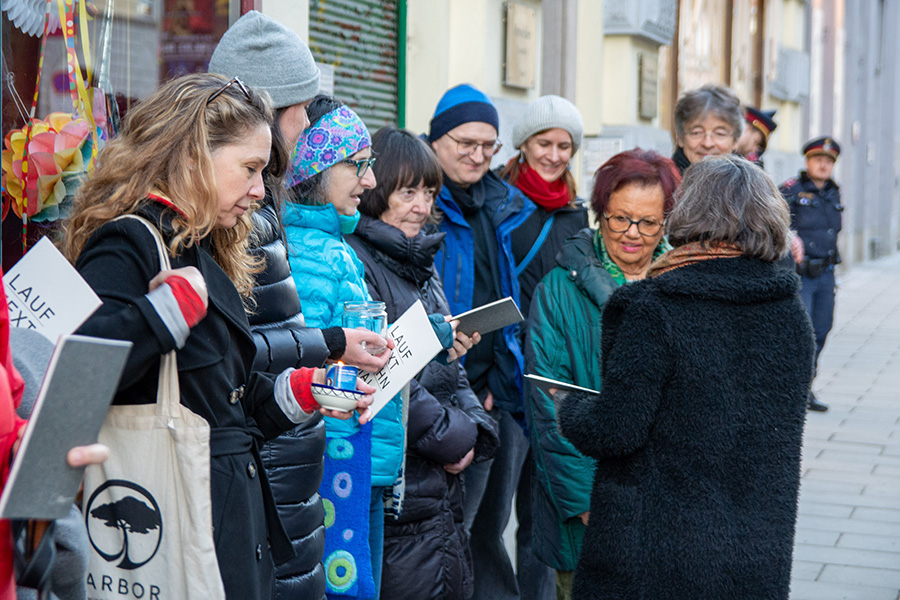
(564, 344)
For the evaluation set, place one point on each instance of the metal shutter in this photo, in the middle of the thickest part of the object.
(359, 39)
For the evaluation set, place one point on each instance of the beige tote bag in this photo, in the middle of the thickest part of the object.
(147, 509)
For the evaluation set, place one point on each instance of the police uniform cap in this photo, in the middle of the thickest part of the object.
(761, 120)
(822, 146)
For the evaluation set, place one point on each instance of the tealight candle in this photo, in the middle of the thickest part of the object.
(341, 376)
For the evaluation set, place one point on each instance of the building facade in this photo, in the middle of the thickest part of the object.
(826, 66)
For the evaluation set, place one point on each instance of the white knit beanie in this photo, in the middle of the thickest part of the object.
(268, 56)
(549, 112)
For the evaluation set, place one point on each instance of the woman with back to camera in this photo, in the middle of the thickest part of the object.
(426, 551)
(189, 160)
(708, 122)
(633, 194)
(698, 428)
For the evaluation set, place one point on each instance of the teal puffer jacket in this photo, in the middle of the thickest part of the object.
(563, 343)
(328, 273)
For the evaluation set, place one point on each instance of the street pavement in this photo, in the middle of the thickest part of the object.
(848, 528)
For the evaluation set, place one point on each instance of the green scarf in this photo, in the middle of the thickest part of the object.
(611, 267)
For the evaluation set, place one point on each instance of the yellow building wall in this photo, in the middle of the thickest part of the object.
(458, 41)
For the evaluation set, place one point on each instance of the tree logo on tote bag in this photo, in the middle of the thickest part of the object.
(124, 523)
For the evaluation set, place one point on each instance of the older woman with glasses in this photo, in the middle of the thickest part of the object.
(708, 122)
(698, 428)
(633, 193)
(330, 170)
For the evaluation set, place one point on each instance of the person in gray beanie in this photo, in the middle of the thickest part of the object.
(547, 136)
(290, 75)
(268, 56)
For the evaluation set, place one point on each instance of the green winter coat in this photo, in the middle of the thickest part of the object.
(563, 343)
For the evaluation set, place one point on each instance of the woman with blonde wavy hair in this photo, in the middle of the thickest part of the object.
(190, 161)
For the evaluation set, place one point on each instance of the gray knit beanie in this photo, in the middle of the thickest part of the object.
(549, 112)
(268, 56)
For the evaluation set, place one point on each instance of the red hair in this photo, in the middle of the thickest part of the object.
(643, 167)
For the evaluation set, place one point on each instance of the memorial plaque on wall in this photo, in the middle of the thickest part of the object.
(521, 46)
(648, 71)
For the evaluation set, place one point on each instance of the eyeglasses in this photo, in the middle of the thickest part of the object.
(221, 90)
(468, 147)
(621, 224)
(718, 135)
(362, 165)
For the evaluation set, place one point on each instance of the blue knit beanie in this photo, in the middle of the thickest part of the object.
(459, 105)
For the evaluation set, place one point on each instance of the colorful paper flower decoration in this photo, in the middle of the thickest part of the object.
(58, 156)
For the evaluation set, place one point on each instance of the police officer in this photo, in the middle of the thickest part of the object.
(815, 202)
(753, 141)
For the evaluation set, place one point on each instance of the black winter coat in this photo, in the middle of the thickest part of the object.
(567, 221)
(118, 262)
(293, 461)
(426, 551)
(697, 435)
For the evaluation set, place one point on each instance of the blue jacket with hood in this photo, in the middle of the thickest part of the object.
(456, 264)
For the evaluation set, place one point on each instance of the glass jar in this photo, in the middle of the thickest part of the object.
(367, 315)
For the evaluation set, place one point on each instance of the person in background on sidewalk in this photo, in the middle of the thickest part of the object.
(479, 212)
(633, 194)
(708, 122)
(698, 428)
(815, 202)
(752, 143)
(294, 460)
(547, 135)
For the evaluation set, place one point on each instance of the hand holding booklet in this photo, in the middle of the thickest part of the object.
(489, 317)
(415, 344)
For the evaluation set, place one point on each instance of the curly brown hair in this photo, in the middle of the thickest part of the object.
(166, 147)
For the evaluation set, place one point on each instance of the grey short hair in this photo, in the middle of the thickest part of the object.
(729, 199)
(718, 100)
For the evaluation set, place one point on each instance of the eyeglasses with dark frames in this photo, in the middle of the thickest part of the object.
(362, 165)
(221, 90)
(468, 147)
(621, 224)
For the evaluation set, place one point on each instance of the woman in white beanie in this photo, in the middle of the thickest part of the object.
(547, 135)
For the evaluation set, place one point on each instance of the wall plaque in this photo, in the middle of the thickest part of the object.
(648, 78)
(521, 46)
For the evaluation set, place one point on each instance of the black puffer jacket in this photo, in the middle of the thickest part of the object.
(293, 461)
(426, 551)
(697, 435)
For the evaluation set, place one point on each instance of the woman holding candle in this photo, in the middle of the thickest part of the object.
(330, 169)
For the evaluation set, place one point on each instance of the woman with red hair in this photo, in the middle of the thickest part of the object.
(633, 194)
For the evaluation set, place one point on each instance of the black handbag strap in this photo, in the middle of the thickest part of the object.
(33, 567)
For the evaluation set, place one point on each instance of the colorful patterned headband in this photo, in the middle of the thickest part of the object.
(335, 137)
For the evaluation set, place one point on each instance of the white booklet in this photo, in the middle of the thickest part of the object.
(488, 317)
(46, 293)
(71, 405)
(546, 384)
(415, 344)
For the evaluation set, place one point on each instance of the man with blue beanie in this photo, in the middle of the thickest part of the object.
(477, 267)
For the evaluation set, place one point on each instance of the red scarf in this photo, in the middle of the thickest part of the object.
(549, 195)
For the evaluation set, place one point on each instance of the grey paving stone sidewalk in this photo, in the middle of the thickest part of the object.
(848, 528)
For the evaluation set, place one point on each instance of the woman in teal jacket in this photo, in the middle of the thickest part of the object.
(330, 169)
(633, 193)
